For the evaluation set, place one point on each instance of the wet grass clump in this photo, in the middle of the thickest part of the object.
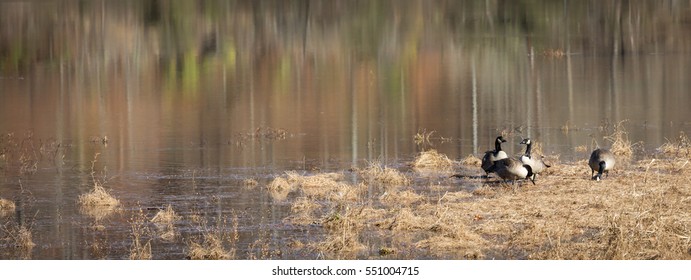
(376, 173)
(165, 221)
(6, 205)
(621, 145)
(472, 160)
(432, 159)
(217, 242)
(98, 197)
(141, 241)
(680, 147)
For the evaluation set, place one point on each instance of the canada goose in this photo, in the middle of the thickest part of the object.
(601, 160)
(535, 163)
(512, 169)
(492, 156)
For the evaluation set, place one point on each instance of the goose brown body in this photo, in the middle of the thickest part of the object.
(602, 161)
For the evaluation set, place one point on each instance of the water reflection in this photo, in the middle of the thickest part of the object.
(177, 87)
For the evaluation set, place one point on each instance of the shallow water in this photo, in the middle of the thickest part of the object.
(194, 97)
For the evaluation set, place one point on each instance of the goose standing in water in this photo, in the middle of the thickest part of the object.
(601, 160)
(512, 169)
(494, 155)
(535, 163)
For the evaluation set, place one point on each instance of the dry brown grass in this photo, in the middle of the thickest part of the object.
(98, 203)
(343, 238)
(621, 145)
(165, 223)
(24, 238)
(98, 196)
(375, 173)
(432, 159)
(642, 212)
(165, 216)
(216, 242)
(680, 147)
(140, 250)
(6, 206)
(395, 197)
(472, 160)
(329, 186)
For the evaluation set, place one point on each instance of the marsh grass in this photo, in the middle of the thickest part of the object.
(98, 197)
(471, 160)
(165, 220)
(376, 173)
(217, 242)
(6, 206)
(165, 216)
(432, 159)
(621, 145)
(343, 239)
(680, 147)
(141, 237)
(22, 154)
(17, 240)
(320, 186)
(641, 212)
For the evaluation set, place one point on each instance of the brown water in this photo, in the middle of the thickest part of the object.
(185, 92)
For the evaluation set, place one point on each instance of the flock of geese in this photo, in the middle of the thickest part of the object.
(527, 166)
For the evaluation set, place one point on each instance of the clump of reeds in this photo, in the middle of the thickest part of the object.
(98, 196)
(432, 159)
(216, 242)
(24, 238)
(343, 234)
(279, 188)
(6, 205)
(471, 160)
(384, 175)
(166, 216)
(679, 147)
(328, 186)
(140, 250)
(621, 146)
(211, 248)
(165, 222)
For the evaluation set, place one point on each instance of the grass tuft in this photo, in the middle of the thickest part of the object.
(140, 250)
(376, 173)
(98, 196)
(621, 145)
(165, 216)
(216, 243)
(680, 147)
(432, 159)
(472, 160)
(6, 206)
